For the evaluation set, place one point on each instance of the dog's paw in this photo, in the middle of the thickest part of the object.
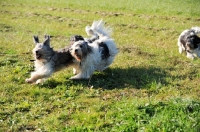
(74, 78)
(190, 57)
(74, 71)
(28, 80)
(40, 81)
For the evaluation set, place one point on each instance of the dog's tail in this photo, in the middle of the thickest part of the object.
(196, 30)
(98, 29)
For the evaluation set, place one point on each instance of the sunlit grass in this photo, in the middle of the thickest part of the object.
(149, 87)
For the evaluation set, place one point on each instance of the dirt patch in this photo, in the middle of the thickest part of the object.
(6, 28)
(27, 128)
(131, 49)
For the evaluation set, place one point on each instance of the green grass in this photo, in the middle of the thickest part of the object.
(150, 87)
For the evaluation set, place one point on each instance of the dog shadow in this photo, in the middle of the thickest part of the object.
(118, 78)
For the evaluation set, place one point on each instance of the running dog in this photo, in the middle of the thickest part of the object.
(94, 54)
(189, 42)
(47, 60)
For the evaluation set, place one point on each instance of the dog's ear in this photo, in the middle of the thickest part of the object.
(46, 36)
(47, 40)
(35, 39)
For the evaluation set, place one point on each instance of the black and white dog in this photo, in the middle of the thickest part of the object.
(189, 42)
(94, 54)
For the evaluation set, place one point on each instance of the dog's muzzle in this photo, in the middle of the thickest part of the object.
(38, 55)
(190, 43)
(189, 46)
(76, 53)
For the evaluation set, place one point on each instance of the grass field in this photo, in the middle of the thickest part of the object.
(150, 87)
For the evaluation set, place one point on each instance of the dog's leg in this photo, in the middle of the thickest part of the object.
(38, 76)
(80, 76)
(35, 77)
(40, 81)
(195, 53)
(180, 50)
(180, 47)
(190, 55)
(74, 71)
(83, 74)
(198, 53)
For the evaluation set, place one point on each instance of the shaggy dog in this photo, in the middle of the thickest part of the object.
(47, 60)
(95, 53)
(75, 38)
(189, 42)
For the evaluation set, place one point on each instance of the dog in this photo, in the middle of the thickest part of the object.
(47, 60)
(94, 54)
(189, 42)
(97, 29)
(75, 38)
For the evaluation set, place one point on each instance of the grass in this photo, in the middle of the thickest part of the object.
(149, 87)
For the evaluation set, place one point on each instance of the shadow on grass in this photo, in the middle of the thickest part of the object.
(118, 78)
(127, 78)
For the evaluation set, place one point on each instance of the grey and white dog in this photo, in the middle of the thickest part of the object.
(189, 42)
(94, 54)
(47, 60)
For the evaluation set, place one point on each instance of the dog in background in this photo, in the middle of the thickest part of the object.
(189, 42)
(47, 60)
(94, 54)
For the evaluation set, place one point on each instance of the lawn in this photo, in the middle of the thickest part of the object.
(149, 87)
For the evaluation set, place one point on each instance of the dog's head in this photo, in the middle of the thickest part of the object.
(191, 41)
(79, 50)
(75, 38)
(42, 51)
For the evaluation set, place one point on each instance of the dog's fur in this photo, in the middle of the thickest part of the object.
(75, 38)
(47, 60)
(97, 29)
(96, 53)
(189, 42)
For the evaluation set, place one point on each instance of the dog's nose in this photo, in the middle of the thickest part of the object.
(76, 50)
(36, 52)
(188, 43)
